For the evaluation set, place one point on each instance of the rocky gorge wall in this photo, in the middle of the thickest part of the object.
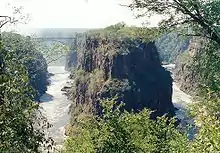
(185, 72)
(130, 70)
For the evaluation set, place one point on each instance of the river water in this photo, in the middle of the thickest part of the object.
(55, 105)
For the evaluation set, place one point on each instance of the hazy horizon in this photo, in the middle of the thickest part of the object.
(81, 14)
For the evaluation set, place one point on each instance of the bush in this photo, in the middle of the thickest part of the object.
(124, 132)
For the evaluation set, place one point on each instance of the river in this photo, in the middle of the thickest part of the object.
(55, 105)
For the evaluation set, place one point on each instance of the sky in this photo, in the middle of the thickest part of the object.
(73, 13)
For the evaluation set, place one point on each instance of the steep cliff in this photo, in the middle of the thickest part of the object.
(171, 45)
(185, 72)
(129, 69)
(71, 57)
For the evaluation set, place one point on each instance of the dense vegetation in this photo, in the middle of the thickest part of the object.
(200, 66)
(117, 131)
(18, 110)
(26, 53)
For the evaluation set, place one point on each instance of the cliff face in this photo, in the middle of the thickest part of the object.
(71, 60)
(129, 69)
(185, 73)
(171, 45)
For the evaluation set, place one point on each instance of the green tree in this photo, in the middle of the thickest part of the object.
(196, 18)
(25, 51)
(123, 132)
(17, 117)
(201, 16)
(19, 113)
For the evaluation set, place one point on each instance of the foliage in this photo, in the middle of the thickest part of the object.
(200, 70)
(18, 111)
(120, 30)
(206, 113)
(207, 66)
(206, 110)
(115, 87)
(201, 16)
(25, 51)
(123, 132)
(53, 51)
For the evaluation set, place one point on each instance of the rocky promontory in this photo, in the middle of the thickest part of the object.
(110, 66)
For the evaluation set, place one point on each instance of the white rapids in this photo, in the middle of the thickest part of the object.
(181, 101)
(55, 105)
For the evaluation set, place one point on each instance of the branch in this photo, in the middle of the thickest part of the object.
(55, 59)
(4, 22)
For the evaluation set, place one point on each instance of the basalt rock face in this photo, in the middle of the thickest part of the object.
(71, 60)
(129, 69)
(185, 72)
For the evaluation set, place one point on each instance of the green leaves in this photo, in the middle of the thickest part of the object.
(124, 132)
(199, 15)
(54, 51)
(18, 110)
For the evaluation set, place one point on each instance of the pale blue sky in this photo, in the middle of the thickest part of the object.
(74, 13)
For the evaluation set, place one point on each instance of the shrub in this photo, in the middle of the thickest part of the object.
(124, 132)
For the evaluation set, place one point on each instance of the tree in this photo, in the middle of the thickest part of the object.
(199, 17)
(17, 17)
(123, 132)
(52, 52)
(19, 113)
(26, 52)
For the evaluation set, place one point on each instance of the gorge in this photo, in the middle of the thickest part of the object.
(98, 73)
(147, 86)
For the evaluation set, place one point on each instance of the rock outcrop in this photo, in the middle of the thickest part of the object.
(185, 73)
(130, 70)
(71, 60)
